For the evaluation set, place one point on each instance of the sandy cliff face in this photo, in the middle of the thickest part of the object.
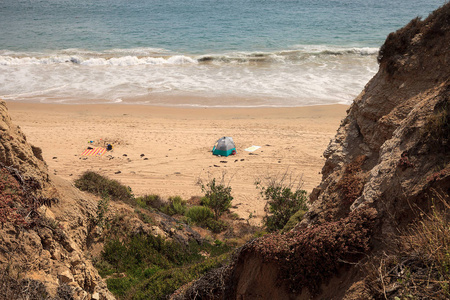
(390, 157)
(17, 153)
(396, 131)
(44, 227)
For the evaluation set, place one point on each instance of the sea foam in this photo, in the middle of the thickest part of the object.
(303, 75)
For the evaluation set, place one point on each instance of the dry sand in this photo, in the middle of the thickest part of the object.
(177, 142)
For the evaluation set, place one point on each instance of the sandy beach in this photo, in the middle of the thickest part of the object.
(165, 150)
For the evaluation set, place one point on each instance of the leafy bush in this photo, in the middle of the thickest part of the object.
(144, 216)
(217, 197)
(282, 202)
(216, 226)
(176, 206)
(147, 201)
(101, 186)
(102, 210)
(199, 214)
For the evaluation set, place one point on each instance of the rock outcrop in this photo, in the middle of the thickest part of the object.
(16, 152)
(43, 237)
(395, 137)
(389, 160)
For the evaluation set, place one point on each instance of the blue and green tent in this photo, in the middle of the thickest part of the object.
(224, 146)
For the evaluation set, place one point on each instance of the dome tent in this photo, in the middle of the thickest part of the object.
(224, 146)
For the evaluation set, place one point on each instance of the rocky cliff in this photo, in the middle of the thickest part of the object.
(389, 162)
(15, 152)
(43, 252)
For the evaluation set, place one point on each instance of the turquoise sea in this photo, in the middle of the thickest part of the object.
(239, 53)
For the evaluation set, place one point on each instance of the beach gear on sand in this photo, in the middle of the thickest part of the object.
(94, 151)
(224, 147)
(252, 148)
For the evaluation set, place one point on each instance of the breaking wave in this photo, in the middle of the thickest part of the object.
(154, 56)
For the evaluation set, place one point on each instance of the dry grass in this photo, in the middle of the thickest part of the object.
(420, 266)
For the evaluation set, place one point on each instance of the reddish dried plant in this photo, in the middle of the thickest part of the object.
(311, 256)
(436, 176)
(351, 183)
(11, 199)
(404, 161)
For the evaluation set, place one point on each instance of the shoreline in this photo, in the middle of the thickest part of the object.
(176, 145)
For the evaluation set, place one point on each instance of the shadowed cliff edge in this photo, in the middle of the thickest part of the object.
(43, 227)
(386, 178)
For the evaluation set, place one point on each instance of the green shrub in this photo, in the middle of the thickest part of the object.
(152, 200)
(119, 286)
(102, 210)
(294, 220)
(282, 203)
(144, 216)
(102, 186)
(216, 226)
(165, 282)
(217, 197)
(199, 214)
(176, 206)
(141, 203)
(154, 267)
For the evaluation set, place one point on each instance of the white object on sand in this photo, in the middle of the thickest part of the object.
(252, 148)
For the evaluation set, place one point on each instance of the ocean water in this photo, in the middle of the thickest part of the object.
(228, 53)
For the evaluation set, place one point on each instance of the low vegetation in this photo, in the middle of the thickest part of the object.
(148, 201)
(11, 199)
(175, 206)
(217, 197)
(18, 202)
(438, 123)
(143, 266)
(99, 185)
(419, 267)
(148, 267)
(285, 198)
(398, 43)
(309, 257)
(199, 215)
(351, 184)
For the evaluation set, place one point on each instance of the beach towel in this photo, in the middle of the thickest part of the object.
(252, 148)
(94, 151)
